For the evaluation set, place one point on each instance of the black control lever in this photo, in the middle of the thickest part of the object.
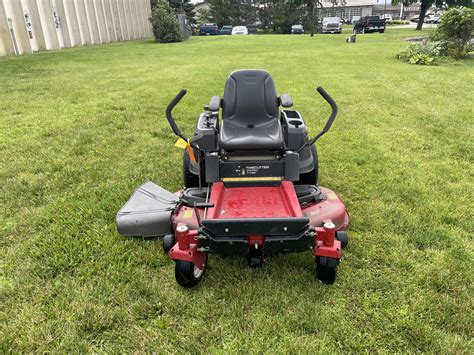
(169, 115)
(171, 120)
(329, 122)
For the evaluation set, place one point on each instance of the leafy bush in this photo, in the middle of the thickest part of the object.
(421, 53)
(165, 25)
(455, 31)
(420, 59)
(397, 22)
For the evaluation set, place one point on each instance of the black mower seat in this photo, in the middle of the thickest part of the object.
(250, 115)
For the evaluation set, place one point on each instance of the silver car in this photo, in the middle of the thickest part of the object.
(331, 25)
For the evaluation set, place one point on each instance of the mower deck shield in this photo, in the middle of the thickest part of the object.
(264, 210)
(148, 212)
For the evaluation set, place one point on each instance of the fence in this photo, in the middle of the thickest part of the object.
(35, 25)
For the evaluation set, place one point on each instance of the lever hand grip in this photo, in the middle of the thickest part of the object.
(329, 122)
(333, 105)
(169, 115)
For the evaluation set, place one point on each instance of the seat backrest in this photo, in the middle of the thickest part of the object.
(250, 98)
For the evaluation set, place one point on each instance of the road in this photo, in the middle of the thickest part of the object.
(413, 25)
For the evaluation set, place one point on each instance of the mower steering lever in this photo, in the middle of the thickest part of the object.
(171, 120)
(329, 122)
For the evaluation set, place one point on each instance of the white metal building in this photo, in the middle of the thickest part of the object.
(34, 25)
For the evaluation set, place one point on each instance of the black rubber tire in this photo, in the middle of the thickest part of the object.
(190, 179)
(168, 242)
(382, 31)
(326, 269)
(311, 177)
(343, 238)
(184, 274)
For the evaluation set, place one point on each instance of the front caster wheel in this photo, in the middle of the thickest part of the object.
(326, 269)
(168, 242)
(343, 238)
(187, 274)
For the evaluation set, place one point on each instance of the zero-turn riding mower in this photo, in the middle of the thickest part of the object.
(250, 176)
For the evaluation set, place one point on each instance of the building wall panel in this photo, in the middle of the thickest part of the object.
(6, 44)
(128, 19)
(33, 25)
(72, 23)
(83, 22)
(109, 20)
(63, 29)
(118, 24)
(150, 27)
(16, 20)
(92, 21)
(101, 23)
(123, 20)
(48, 25)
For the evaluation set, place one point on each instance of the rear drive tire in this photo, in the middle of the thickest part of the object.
(190, 179)
(311, 177)
(326, 269)
(187, 274)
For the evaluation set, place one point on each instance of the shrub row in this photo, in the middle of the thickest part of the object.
(451, 38)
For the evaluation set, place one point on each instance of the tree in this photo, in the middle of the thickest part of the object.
(184, 6)
(286, 14)
(426, 4)
(204, 16)
(233, 12)
(455, 31)
(165, 25)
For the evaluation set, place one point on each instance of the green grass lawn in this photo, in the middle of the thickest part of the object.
(82, 128)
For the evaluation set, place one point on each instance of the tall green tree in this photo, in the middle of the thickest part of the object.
(233, 12)
(204, 16)
(186, 7)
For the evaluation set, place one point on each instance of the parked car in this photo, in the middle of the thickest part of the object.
(369, 24)
(355, 19)
(297, 30)
(386, 17)
(415, 18)
(252, 29)
(240, 30)
(208, 29)
(225, 30)
(331, 25)
(432, 19)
